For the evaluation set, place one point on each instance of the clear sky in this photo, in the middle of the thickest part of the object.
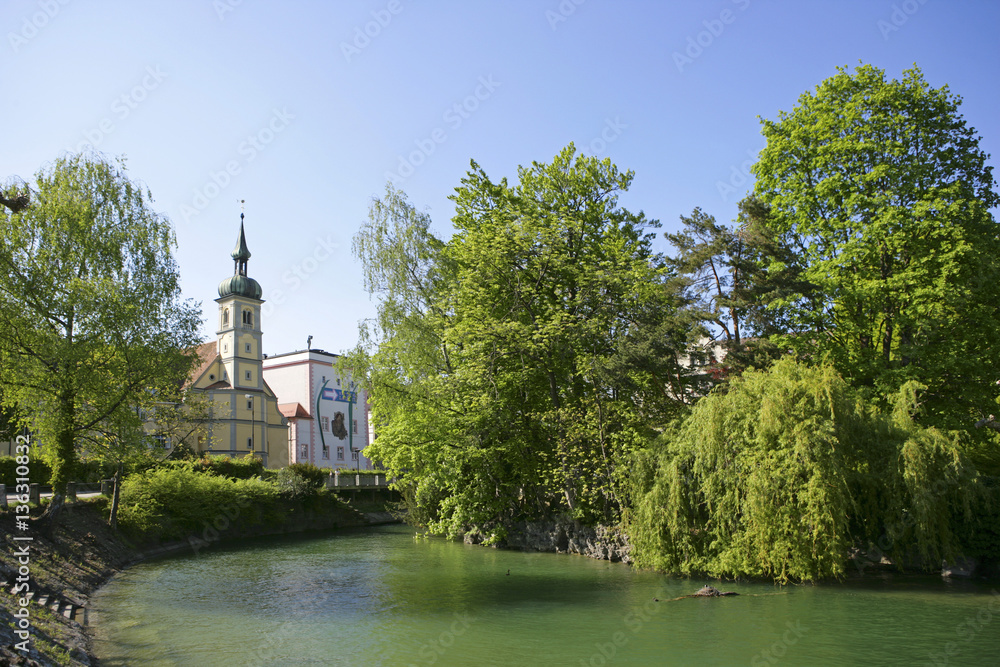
(304, 109)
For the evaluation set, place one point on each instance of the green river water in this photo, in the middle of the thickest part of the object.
(381, 597)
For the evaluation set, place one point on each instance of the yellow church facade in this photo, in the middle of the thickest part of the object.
(243, 417)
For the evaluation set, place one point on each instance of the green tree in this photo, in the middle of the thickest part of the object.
(880, 191)
(496, 388)
(782, 474)
(91, 320)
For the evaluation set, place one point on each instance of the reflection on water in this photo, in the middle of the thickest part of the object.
(380, 597)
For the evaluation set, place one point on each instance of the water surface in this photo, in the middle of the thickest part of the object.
(380, 597)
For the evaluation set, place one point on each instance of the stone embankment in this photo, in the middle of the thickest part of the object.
(564, 535)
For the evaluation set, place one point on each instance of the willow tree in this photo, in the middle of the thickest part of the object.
(91, 319)
(784, 473)
(882, 193)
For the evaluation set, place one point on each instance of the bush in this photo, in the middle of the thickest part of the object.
(246, 467)
(39, 471)
(316, 476)
(293, 485)
(175, 502)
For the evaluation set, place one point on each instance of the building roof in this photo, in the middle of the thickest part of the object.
(293, 411)
(207, 353)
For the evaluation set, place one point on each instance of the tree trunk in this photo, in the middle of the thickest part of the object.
(113, 519)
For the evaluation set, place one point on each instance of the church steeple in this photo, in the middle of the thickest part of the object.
(239, 284)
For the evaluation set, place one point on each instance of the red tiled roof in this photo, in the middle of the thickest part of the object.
(207, 352)
(293, 410)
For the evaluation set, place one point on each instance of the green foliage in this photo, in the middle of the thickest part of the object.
(172, 503)
(293, 485)
(500, 390)
(882, 195)
(39, 471)
(315, 475)
(781, 474)
(245, 467)
(92, 325)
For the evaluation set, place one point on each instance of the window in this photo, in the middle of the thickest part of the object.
(250, 443)
(248, 347)
(304, 453)
(225, 317)
(340, 453)
(225, 347)
(248, 375)
(354, 456)
(248, 317)
(326, 424)
(249, 404)
(354, 425)
(326, 453)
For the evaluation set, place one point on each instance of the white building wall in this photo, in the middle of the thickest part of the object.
(338, 430)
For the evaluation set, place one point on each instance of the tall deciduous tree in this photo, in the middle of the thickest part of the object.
(91, 319)
(500, 389)
(881, 191)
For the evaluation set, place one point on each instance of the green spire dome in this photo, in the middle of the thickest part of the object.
(239, 284)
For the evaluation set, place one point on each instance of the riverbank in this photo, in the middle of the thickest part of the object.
(82, 553)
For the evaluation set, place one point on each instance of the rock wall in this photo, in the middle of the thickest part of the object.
(563, 535)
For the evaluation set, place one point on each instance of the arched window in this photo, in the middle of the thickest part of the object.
(225, 317)
(248, 317)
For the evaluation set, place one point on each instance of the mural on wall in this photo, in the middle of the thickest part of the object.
(340, 422)
(338, 427)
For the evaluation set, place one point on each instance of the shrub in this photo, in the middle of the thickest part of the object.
(39, 471)
(316, 476)
(293, 485)
(171, 503)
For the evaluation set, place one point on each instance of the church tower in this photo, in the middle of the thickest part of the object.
(245, 418)
(239, 332)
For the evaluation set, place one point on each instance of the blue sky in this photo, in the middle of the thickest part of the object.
(304, 109)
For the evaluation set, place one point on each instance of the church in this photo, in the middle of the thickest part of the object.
(245, 418)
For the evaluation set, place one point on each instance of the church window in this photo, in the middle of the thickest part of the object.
(248, 347)
(248, 375)
(225, 317)
(250, 443)
(248, 317)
